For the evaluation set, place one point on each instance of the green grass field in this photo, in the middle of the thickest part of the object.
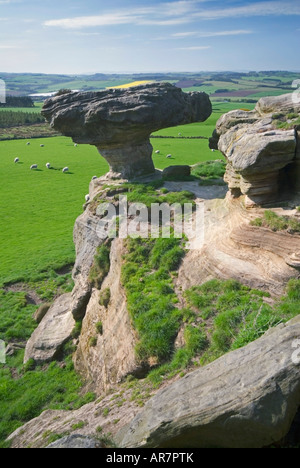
(39, 208)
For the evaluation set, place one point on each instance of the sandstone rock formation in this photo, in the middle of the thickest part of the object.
(52, 333)
(262, 150)
(119, 121)
(112, 355)
(246, 399)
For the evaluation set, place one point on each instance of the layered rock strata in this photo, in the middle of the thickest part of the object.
(262, 150)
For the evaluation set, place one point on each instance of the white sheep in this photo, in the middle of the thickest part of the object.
(169, 156)
(17, 160)
(87, 198)
(213, 150)
(42, 146)
(48, 165)
(65, 169)
(34, 166)
(28, 143)
(157, 152)
(75, 145)
(94, 177)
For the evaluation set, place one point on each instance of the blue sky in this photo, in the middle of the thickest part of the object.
(74, 37)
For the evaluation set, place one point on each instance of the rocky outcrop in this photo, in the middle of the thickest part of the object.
(52, 333)
(261, 149)
(246, 399)
(119, 122)
(86, 241)
(106, 348)
(233, 249)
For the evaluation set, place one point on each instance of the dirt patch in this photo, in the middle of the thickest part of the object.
(32, 297)
(64, 270)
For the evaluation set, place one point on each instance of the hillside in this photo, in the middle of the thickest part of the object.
(230, 85)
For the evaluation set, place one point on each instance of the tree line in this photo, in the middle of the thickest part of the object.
(18, 101)
(17, 119)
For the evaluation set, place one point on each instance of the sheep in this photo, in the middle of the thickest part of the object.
(17, 160)
(87, 198)
(28, 143)
(34, 166)
(42, 146)
(169, 156)
(94, 177)
(75, 145)
(48, 165)
(157, 152)
(65, 169)
(213, 150)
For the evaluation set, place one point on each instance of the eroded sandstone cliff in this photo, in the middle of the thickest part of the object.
(249, 397)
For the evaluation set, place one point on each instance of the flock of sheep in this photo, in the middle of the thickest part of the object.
(48, 166)
(169, 156)
(35, 166)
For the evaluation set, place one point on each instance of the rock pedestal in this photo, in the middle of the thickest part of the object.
(119, 122)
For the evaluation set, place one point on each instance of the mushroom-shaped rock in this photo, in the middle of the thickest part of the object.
(119, 122)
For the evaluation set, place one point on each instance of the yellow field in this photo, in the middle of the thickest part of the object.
(130, 85)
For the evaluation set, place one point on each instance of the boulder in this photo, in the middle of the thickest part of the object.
(246, 399)
(52, 333)
(119, 122)
(262, 156)
(177, 171)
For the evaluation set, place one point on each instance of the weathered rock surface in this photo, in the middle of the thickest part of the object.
(112, 357)
(262, 159)
(75, 441)
(52, 333)
(233, 249)
(246, 399)
(119, 121)
(86, 242)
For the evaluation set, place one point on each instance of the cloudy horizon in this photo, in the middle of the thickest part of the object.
(131, 36)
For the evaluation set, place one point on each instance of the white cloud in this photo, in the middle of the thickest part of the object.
(271, 8)
(177, 12)
(164, 14)
(194, 48)
(237, 32)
